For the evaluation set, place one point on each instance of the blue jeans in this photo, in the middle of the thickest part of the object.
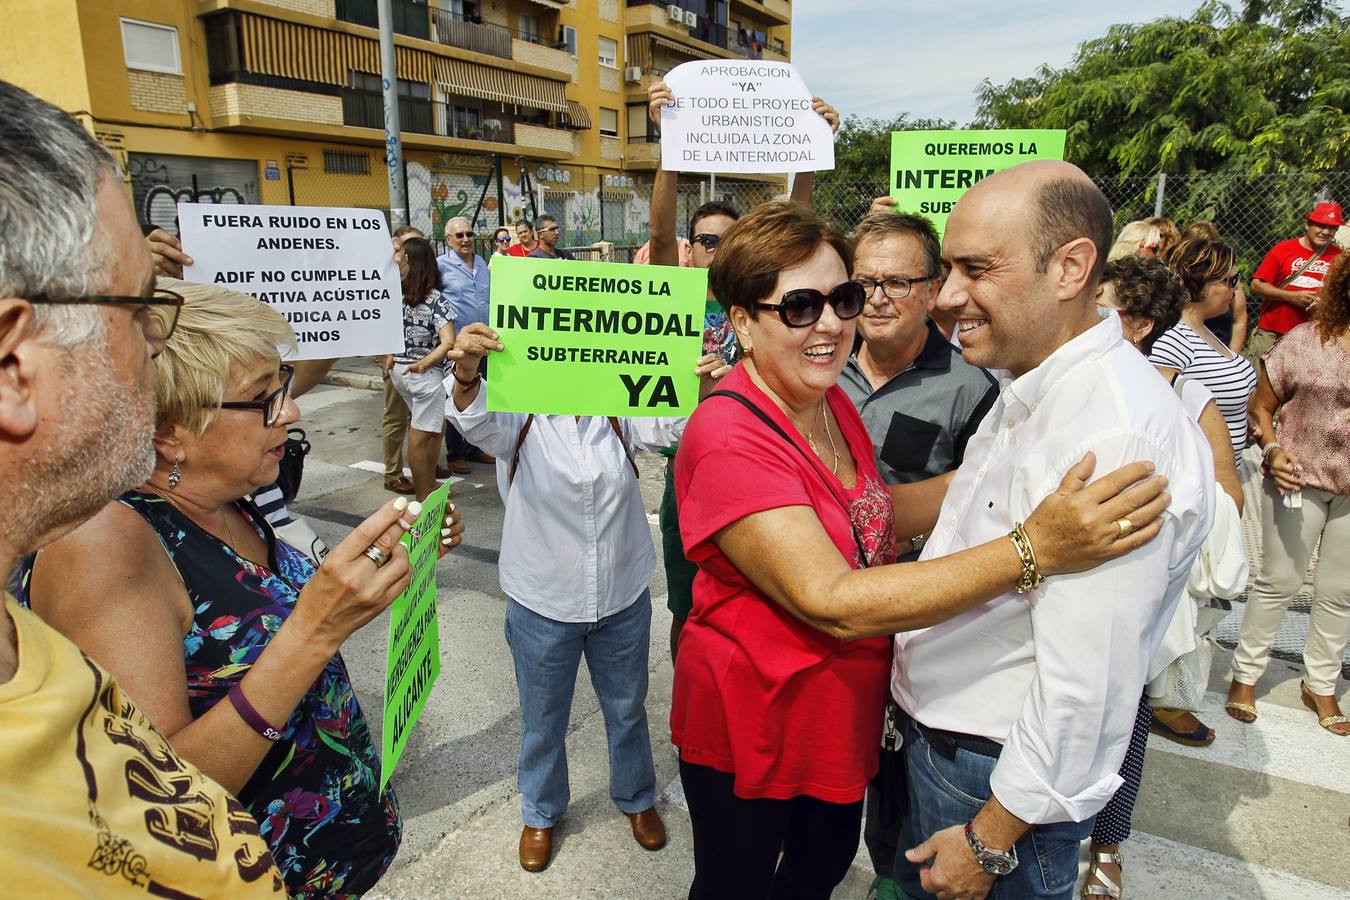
(945, 792)
(546, 655)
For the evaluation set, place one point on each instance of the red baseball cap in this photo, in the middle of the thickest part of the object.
(1327, 214)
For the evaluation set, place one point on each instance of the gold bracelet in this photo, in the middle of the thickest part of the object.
(1031, 577)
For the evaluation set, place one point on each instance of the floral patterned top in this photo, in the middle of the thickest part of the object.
(316, 793)
(1312, 381)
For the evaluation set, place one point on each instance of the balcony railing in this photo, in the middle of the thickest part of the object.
(454, 30)
(365, 109)
(410, 16)
(451, 121)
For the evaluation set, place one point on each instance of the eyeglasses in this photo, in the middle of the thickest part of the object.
(462, 234)
(271, 405)
(804, 306)
(550, 228)
(504, 239)
(896, 288)
(157, 314)
(709, 241)
(1231, 280)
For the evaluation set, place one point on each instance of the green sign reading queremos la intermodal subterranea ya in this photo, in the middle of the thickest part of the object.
(595, 339)
(930, 170)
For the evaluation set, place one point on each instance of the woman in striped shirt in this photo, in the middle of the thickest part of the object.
(1209, 275)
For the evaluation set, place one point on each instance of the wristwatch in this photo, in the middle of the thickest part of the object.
(994, 862)
(916, 542)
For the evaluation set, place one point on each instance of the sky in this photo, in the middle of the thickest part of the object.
(880, 58)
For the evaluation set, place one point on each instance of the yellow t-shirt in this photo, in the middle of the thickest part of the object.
(93, 800)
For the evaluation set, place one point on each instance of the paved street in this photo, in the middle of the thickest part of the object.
(1260, 814)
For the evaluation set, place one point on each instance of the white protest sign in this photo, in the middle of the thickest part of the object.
(751, 117)
(329, 271)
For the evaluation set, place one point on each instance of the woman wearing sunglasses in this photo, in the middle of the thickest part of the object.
(501, 242)
(785, 660)
(225, 637)
(1209, 274)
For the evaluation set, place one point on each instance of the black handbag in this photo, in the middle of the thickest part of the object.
(292, 464)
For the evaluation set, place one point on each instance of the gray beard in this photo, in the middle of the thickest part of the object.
(103, 445)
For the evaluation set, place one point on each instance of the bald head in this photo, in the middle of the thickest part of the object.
(459, 235)
(1049, 203)
(459, 223)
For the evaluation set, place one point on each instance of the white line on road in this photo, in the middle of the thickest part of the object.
(369, 465)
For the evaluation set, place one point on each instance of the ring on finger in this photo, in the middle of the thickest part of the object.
(1125, 526)
(375, 555)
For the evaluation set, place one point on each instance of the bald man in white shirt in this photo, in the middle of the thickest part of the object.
(1020, 711)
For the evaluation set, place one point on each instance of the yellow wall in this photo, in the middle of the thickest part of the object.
(39, 51)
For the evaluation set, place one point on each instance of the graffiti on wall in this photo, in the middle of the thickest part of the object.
(159, 183)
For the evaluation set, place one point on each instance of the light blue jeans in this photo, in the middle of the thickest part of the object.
(945, 792)
(547, 654)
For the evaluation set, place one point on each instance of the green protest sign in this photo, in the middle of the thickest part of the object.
(930, 170)
(414, 659)
(595, 339)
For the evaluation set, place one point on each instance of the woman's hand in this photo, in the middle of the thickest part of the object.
(883, 204)
(1079, 526)
(1283, 467)
(658, 96)
(828, 112)
(349, 589)
(710, 370)
(471, 344)
(452, 533)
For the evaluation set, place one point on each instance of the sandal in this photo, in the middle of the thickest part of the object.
(1325, 721)
(1200, 737)
(1107, 887)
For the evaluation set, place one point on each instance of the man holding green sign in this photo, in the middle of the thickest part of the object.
(592, 363)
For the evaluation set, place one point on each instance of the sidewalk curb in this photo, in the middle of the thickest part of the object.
(354, 380)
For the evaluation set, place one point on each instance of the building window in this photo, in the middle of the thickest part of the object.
(151, 47)
(567, 39)
(609, 53)
(344, 162)
(529, 28)
(609, 122)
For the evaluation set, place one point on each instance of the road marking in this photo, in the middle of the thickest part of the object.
(1158, 867)
(369, 465)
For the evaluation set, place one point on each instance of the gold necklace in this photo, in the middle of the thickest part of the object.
(810, 437)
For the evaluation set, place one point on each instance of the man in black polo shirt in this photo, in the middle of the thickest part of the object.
(919, 399)
(548, 231)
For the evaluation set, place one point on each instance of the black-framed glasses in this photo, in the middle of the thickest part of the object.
(897, 287)
(709, 241)
(158, 313)
(1231, 281)
(271, 405)
(462, 234)
(804, 306)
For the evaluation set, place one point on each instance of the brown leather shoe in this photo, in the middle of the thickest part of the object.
(442, 472)
(481, 457)
(536, 846)
(460, 467)
(399, 485)
(648, 829)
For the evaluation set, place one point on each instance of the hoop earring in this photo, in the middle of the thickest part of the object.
(175, 475)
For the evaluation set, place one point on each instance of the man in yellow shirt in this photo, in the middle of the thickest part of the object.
(94, 802)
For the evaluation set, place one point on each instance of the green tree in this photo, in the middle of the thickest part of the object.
(1265, 90)
(862, 157)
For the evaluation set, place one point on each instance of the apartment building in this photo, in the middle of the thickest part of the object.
(507, 108)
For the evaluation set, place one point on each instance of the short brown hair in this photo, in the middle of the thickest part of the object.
(881, 225)
(1201, 228)
(1198, 262)
(1331, 315)
(1146, 289)
(774, 236)
(1064, 210)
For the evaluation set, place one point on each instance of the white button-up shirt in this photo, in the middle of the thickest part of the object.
(466, 291)
(576, 545)
(1055, 675)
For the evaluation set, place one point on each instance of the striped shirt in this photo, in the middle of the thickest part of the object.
(1229, 377)
(272, 505)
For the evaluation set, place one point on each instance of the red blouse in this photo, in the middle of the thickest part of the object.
(786, 708)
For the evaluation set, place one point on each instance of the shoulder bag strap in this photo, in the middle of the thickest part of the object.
(618, 431)
(1307, 264)
(763, 417)
(520, 442)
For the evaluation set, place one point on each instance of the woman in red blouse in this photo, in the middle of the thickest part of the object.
(781, 677)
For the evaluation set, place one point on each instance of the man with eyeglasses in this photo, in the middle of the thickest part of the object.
(465, 283)
(548, 230)
(920, 400)
(100, 798)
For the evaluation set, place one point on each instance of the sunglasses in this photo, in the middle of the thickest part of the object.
(271, 405)
(504, 239)
(805, 306)
(462, 234)
(550, 228)
(709, 241)
(1231, 280)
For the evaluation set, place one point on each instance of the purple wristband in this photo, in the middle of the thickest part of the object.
(250, 715)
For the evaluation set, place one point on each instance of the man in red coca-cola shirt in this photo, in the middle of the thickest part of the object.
(1288, 281)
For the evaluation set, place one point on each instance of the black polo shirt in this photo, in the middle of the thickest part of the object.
(921, 419)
